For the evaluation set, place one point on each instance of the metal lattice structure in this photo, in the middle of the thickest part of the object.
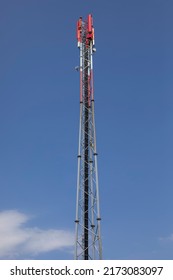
(87, 236)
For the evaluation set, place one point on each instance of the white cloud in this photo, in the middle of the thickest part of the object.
(168, 238)
(171, 237)
(16, 239)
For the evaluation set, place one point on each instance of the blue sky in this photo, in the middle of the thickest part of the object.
(39, 117)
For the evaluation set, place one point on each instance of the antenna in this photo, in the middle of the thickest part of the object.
(87, 224)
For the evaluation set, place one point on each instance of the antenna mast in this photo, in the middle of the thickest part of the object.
(87, 232)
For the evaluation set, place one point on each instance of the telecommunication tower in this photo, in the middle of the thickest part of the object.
(87, 224)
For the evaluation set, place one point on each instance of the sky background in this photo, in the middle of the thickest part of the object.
(39, 121)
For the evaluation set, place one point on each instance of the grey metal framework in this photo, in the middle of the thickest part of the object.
(87, 231)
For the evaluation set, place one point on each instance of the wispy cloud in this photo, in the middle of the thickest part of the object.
(16, 239)
(168, 238)
(171, 237)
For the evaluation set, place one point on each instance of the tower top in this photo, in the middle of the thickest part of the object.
(89, 29)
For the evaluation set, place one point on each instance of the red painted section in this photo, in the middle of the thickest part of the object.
(89, 42)
(89, 23)
(90, 33)
(93, 34)
(78, 30)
